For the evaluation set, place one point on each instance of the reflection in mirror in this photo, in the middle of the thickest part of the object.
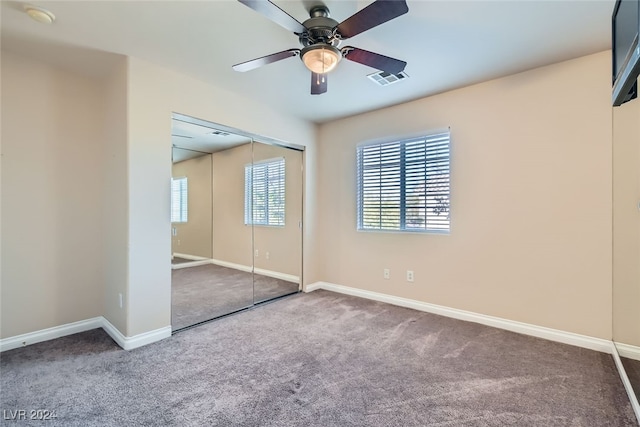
(190, 206)
(275, 209)
(626, 242)
(236, 215)
(211, 247)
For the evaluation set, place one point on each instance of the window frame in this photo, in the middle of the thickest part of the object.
(183, 200)
(434, 140)
(249, 194)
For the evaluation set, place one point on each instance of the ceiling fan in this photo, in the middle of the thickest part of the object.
(321, 36)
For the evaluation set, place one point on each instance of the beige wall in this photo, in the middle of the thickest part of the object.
(626, 225)
(52, 166)
(531, 200)
(194, 236)
(232, 241)
(115, 197)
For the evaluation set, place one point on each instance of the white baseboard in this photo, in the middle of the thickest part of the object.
(625, 379)
(571, 338)
(628, 351)
(277, 275)
(190, 264)
(195, 261)
(233, 265)
(50, 333)
(191, 257)
(314, 286)
(127, 343)
(269, 273)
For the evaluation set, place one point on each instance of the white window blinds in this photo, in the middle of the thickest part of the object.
(179, 204)
(404, 185)
(264, 193)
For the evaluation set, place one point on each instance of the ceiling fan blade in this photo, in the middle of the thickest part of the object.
(378, 12)
(259, 62)
(375, 60)
(274, 13)
(318, 83)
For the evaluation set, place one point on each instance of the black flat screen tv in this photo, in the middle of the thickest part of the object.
(626, 50)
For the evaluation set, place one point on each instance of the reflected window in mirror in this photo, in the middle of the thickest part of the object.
(179, 204)
(264, 193)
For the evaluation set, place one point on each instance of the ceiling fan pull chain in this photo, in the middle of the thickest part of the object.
(324, 65)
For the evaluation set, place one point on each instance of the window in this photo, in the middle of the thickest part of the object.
(179, 199)
(264, 205)
(404, 185)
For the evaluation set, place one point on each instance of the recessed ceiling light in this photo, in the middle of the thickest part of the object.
(39, 14)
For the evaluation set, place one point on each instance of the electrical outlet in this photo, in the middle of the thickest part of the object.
(121, 300)
(386, 273)
(266, 255)
(409, 275)
(257, 253)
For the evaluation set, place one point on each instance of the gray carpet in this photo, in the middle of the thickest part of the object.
(632, 368)
(178, 260)
(208, 291)
(319, 359)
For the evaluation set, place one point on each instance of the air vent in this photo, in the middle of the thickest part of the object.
(383, 78)
(219, 133)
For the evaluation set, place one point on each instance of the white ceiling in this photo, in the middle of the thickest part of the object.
(447, 44)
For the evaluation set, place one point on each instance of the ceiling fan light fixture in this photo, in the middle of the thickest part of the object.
(320, 58)
(39, 14)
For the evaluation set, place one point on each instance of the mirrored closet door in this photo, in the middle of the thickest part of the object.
(626, 241)
(276, 213)
(236, 216)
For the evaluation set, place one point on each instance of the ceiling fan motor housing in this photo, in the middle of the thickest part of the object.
(320, 28)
